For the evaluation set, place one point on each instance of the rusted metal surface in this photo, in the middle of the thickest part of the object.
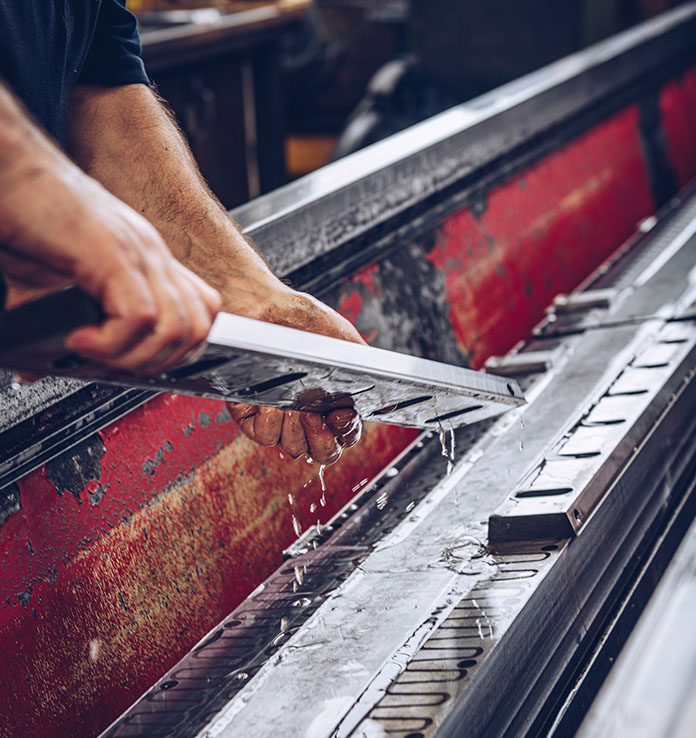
(126, 549)
(481, 282)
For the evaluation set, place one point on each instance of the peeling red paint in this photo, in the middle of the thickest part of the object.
(540, 234)
(367, 277)
(172, 547)
(351, 305)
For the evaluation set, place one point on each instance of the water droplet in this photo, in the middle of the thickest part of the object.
(242, 675)
(312, 507)
(358, 486)
(521, 423)
(299, 576)
(94, 650)
(296, 526)
(302, 602)
(521, 445)
(290, 499)
(392, 472)
(443, 444)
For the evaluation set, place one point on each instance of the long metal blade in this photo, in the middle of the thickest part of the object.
(260, 363)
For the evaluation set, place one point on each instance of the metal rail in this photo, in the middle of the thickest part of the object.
(420, 629)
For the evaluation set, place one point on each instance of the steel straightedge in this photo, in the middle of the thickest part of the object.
(246, 360)
(483, 636)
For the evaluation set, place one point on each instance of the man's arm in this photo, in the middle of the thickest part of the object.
(59, 226)
(123, 137)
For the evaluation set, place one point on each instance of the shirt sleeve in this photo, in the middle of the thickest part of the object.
(114, 56)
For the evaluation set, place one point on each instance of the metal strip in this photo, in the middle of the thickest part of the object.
(261, 363)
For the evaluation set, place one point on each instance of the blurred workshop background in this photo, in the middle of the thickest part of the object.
(269, 90)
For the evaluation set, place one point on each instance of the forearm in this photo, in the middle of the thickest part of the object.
(29, 163)
(124, 138)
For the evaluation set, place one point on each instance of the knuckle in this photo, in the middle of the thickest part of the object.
(145, 319)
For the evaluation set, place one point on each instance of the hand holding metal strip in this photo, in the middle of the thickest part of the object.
(264, 364)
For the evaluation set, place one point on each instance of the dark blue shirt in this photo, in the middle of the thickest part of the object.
(49, 46)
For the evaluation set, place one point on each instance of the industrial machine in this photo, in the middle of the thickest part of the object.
(165, 577)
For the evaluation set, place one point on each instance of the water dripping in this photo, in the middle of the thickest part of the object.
(322, 481)
(299, 576)
(296, 526)
(443, 440)
(302, 602)
(448, 453)
(360, 484)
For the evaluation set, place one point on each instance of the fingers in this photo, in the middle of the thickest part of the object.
(293, 440)
(346, 425)
(245, 416)
(156, 323)
(321, 439)
(268, 424)
(262, 424)
(324, 447)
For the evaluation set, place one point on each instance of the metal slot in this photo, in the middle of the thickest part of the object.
(657, 356)
(544, 492)
(587, 441)
(455, 414)
(401, 405)
(271, 384)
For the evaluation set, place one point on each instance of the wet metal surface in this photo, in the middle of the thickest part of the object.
(429, 629)
(121, 588)
(261, 363)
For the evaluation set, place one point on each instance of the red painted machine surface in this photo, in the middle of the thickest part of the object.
(129, 548)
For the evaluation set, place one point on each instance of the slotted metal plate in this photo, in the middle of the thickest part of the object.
(260, 363)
